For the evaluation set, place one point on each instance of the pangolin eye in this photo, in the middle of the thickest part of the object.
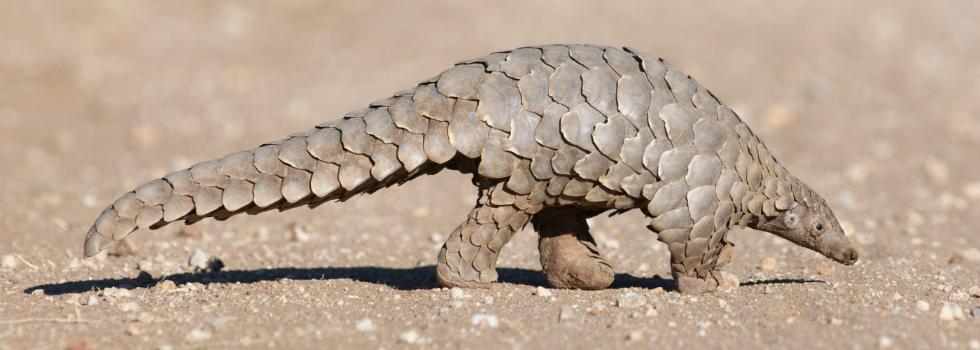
(818, 227)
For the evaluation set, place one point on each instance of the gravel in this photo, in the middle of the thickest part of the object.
(768, 264)
(8, 261)
(129, 306)
(922, 305)
(163, 286)
(410, 337)
(630, 300)
(194, 81)
(197, 335)
(951, 312)
(300, 233)
(885, 342)
(485, 320)
(114, 292)
(457, 294)
(727, 281)
(198, 260)
(971, 254)
(365, 325)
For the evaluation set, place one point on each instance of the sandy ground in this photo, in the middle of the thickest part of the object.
(875, 104)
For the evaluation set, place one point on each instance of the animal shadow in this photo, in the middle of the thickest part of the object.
(398, 278)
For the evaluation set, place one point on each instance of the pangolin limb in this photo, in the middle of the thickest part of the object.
(574, 129)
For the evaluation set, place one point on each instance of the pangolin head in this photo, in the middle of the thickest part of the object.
(811, 224)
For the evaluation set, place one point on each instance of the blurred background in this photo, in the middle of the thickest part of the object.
(876, 104)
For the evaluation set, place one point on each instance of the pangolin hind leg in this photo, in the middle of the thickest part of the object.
(469, 256)
(569, 256)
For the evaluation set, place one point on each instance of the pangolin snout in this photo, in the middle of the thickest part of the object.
(847, 257)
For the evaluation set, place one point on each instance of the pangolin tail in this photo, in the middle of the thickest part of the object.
(361, 153)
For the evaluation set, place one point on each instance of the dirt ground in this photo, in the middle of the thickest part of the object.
(876, 104)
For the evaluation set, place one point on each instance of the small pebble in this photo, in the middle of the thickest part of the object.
(113, 292)
(144, 317)
(972, 254)
(972, 190)
(936, 170)
(365, 325)
(190, 232)
(197, 335)
(9, 261)
(542, 292)
(410, 337)
(128, 306)
(610, 244)
(300, 234)
(727, 281)
(146, 264)
(959, 296)
(630, 300)
(262, 233)
(951, 312)
(634, 336)
(456, 293)
(89, 201)
(768, 264)
(885, 342)
(421, 212)
(198, 260)
(651, 312)
(163, 286)
(132, 330)
(215, 322)
(825, 270)
(916, 218)
(79, 344)
(91, 300)
(922, 305)
(857, 173)
(565, 314)
(485, 320)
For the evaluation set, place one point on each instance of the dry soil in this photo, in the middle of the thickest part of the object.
(876, 104)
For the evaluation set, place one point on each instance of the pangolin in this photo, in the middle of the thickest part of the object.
(552, 135)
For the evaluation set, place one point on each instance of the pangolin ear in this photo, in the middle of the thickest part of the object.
(792, 218)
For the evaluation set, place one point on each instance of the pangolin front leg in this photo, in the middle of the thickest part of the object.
(695, 264)
(569, 255)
